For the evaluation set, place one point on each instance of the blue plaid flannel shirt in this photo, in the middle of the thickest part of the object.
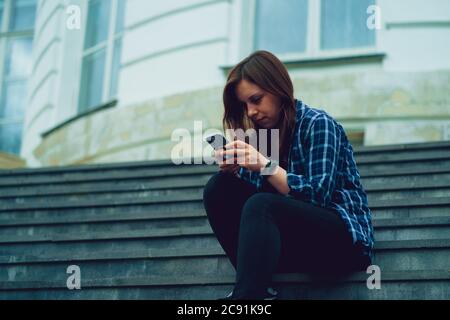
(322, 171)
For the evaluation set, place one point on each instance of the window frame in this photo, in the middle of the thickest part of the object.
(245, 43)
(108, 44)
(5, 36)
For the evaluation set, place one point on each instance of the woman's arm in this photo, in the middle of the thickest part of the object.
(279, 180)
(251, 159)
(321, 162)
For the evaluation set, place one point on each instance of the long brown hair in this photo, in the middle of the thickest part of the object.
(265, 70)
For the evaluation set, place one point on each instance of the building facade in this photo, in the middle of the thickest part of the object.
(110, 80)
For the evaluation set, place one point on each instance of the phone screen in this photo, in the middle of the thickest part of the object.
(217, 141)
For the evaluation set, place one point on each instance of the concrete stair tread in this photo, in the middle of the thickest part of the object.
(401, 147)
(169, 232)
(102, 203)
(358, 150)
(421, 275)
(151, 172)
(94, 167)
(416, 222)
(407, 157)
(101, 218)
(183, 197)
(80, 219)
(152, 233)
(203, 252)
(191, 182)
(174, 171)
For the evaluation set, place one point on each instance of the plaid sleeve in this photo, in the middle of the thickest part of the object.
(251, 177)
(321, 155)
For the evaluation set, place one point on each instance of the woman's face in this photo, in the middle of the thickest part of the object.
(262, 107)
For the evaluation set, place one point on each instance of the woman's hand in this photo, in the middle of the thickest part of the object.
(244, 155)
(232, 168)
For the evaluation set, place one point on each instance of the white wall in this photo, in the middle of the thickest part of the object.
(416, 36)
(43, 82)
(176, 46)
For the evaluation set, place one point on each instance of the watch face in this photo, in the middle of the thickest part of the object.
(271, 168)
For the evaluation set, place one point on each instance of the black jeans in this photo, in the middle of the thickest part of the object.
(265, 232)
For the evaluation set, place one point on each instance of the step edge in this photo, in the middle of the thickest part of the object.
(359, 277)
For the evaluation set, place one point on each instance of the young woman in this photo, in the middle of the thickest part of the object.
(310, 214)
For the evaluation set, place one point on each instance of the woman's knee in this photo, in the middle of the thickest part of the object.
(215, 189)
(260, 204)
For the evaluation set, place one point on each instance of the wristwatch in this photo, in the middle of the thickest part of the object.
(270, 168)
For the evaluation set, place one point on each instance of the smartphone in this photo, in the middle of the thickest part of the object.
(217, 141)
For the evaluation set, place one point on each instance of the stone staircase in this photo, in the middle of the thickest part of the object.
(139, 231)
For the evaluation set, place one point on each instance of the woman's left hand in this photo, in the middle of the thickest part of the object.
(245, 155)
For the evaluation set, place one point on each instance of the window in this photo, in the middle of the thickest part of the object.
(343, 24)
(101, 53)
(281, 25)
(16, 39)
(311, 28)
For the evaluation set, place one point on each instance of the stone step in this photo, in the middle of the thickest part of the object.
(168, 195)
(374, 185)
(434, 210)
(403, 168)
(167, 232)
(359, 152)
(429, 284)
(402, 157)
(416, 181)
(88, 219)
(408, 193)
(137, 184)
(439, 162)
(412, 229)
(111, 214)
(148, 171)
(189, 242)
(124, 196)
(382, 209)
(405, 253)
(183, 193)
(385, 229)
(413, 255)
(168, 198)
(402, 148)
(150, 223)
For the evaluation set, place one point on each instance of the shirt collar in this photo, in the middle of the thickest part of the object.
(300, 106)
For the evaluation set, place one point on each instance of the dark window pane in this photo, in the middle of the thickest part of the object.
(2, 4)
(120, 15)
(23, 14)
(92, 80)
(344, 24)
(10, 138)
(18, 57)
(98, 22)
(281, 25)
(13, 99)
